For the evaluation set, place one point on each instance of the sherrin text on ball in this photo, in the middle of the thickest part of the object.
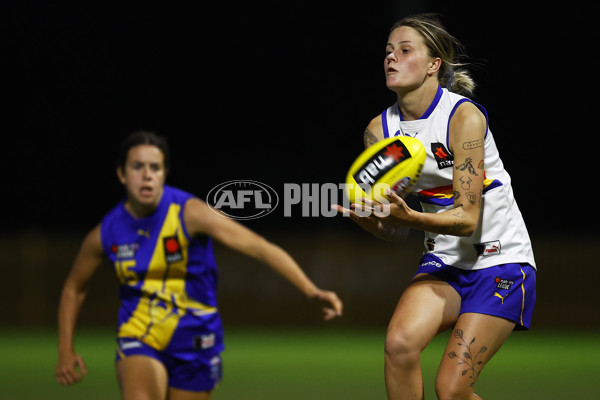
(394, 163)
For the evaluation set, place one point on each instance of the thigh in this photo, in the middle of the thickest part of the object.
(427, 307)
(142, 378)
(473, 342)
(180, 394)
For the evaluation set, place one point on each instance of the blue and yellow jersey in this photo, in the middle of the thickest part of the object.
(168, 279)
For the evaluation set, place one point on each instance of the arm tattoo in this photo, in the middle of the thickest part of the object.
(472, 197)
(465, 183)
(473, 145)
(458, 214)
(468, 165)
(467, 357)
(455, 229)
(369, 138)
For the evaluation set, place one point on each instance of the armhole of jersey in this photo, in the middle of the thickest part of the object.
(458, 103)
(386, 133)
(102, 243)
(182, 218)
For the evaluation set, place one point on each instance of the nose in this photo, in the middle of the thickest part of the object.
(147, 173)
(391, 56)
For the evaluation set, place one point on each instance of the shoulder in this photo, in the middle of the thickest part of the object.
(176, 195)
(198, 216)
(376, 123)
(462, 108)
(467, 122)
(374, 131)
(112, 219)
(92, 243)
(467, 113)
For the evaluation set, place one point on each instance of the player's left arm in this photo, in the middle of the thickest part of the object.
(201, 220)
(467, 134)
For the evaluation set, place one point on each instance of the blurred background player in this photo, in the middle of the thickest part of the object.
(477, 275)
(170, 334)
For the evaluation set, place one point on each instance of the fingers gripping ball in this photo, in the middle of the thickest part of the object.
(394, 163)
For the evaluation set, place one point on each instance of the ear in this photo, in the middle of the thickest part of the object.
(121, 174)
(435, 65)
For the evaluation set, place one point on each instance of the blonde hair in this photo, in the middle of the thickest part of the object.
(445, 46)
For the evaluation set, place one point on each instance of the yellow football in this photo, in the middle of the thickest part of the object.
(394, 163)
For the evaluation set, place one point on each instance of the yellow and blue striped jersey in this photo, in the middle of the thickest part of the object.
(168, 279)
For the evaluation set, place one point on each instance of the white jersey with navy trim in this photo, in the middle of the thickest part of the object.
(501, 236)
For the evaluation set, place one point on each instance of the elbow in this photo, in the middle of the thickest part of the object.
(467, 229)
(462, 228)
(465, 233)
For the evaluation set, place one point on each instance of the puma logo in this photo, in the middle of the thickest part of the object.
(496, 294)
(143, 233)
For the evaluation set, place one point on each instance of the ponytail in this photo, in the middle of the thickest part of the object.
(445, 46)
(459, 82)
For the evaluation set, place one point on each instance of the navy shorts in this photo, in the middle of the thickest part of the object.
(201, 375)
(505, 290)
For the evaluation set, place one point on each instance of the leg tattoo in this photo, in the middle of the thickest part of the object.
(467, 357)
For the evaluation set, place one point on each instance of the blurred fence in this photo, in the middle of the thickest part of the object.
(369, 275)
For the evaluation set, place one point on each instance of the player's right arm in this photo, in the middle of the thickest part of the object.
(70, 366)
(382, 229)
(374, 132)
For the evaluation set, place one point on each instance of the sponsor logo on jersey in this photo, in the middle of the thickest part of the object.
(432, 263)
(381, 162)
(215, 368)
(496, 294)
(442, 156)
(124, 250)
(144, 233)
(411, 134)
(204, 341)
(487, 248)
(172, 248)
(129, 344)
(504, 284)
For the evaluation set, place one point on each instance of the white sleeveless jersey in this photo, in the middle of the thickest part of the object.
(501, 236)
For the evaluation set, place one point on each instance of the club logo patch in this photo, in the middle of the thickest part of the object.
(172, 248)
(430, 244)
(442, 156)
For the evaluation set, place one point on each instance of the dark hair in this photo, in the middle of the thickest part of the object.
(143, 137)
(445, 46)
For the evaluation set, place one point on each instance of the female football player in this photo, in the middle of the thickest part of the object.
(477, 274)
(158, 238)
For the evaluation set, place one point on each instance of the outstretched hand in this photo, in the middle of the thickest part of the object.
(333, 305)
(384, 220)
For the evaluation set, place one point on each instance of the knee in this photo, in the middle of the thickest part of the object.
(402, 347)
(453, 389)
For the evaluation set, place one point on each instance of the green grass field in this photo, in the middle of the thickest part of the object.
(312, 364)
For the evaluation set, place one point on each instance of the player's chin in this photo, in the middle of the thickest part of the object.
(392, 82)
(146, 200)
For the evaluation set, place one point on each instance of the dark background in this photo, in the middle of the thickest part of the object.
(277, 94)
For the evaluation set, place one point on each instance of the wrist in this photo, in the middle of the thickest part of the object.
(310, 291)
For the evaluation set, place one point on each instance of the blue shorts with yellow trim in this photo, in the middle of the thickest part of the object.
(505, 290)
(199, 375)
